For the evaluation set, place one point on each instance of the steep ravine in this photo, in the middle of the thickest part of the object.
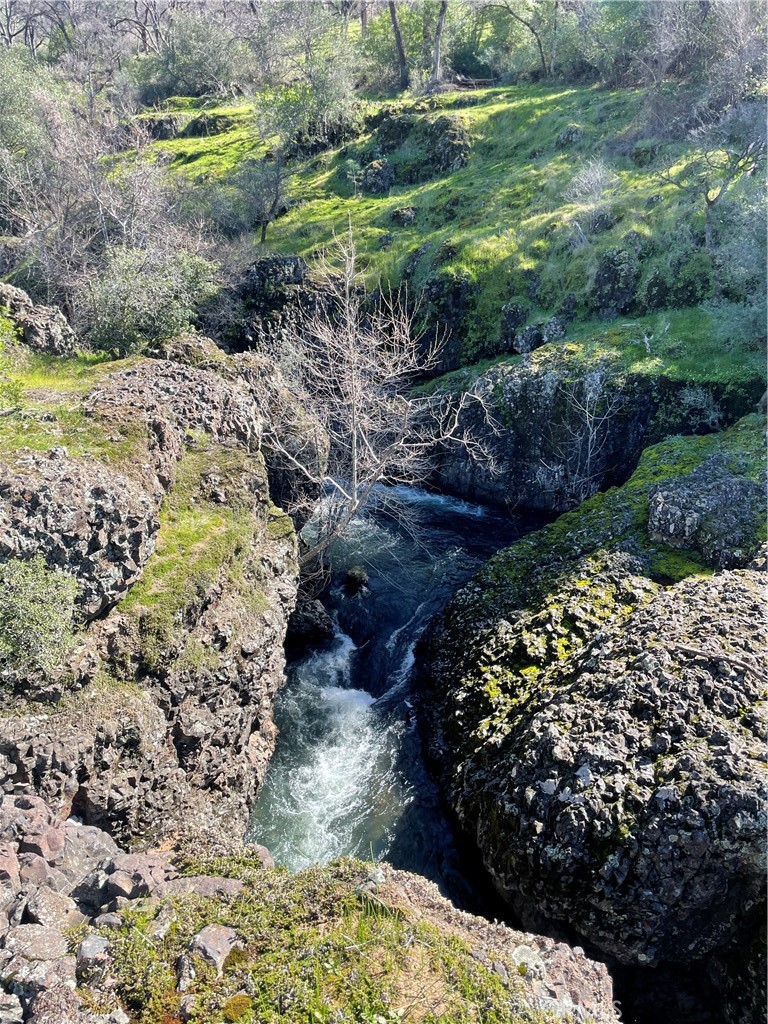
(144, 481)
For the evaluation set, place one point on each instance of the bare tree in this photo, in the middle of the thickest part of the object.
(347, 368)
(590, 406)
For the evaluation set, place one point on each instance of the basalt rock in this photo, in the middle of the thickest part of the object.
(544, 449)
(599, 732)
(531, 422)
(87, 874)
(712, 510)
(42, 328)
(378, 177)
(194, 739)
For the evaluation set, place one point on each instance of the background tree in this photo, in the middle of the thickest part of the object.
(402, 59)
(349, 364)
(730, 149)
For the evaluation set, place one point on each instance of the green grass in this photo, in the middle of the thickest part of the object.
(48, 408)
(318, 948)
(215, 155)
(503, 216)
(200, 543)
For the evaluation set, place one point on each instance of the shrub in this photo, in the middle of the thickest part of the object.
(201, 56)
(694, 280)
(591, 184)
(144, 295)
(739, 324)
(36, 612)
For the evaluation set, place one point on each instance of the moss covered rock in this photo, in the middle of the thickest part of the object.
(171, 684)
(599, 730)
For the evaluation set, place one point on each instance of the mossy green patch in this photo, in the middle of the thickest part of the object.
(318, 947)
(48, 410)
(200, 543)
(536, 604)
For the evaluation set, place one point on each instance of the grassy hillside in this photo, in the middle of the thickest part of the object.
(507, 227)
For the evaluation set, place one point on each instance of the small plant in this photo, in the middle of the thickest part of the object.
(36, 613)
(701, 407)
(591, 184)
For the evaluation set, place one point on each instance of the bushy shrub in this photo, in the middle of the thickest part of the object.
(693, 280)
(144, 295)
(739, 325)
(36, 614)
(26, 90)
(201, 56)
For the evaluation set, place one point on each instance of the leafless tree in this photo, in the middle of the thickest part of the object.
(734, 147)
(347, 370)
(590, 406)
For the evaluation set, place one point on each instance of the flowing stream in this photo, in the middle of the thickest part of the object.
(348, 776)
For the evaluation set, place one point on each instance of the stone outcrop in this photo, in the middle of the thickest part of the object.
(42, 328)
(556, 429)
(713, 510)
(78, 878)
(58, 875)
(195, 735)
(600, 734)
(97, 525)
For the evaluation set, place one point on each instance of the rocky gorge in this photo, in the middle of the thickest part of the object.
(639, 612)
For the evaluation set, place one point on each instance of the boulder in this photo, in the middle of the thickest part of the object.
(42, 328)
(404, 215)
(214, 943)
(36, 942)
(713, 510)
(378, 177)
(599, 730)
(309, 624)
(615, 283)
(513, 316)
(569, 136)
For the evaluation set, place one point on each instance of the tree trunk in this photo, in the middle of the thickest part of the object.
(264, 226)
(553, 51)
(402, 60)
(363, 18)
(710, 244)
(437, 49)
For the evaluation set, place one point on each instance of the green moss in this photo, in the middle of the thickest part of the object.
(319, 947)
(534, 605)
(200, 542)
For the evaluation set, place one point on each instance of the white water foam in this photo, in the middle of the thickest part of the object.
(337, 765)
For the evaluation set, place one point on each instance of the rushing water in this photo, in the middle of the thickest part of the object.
(348, 776)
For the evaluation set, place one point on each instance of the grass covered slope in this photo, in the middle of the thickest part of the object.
(517, 218)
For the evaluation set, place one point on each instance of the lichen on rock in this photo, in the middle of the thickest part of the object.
(599, 727)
